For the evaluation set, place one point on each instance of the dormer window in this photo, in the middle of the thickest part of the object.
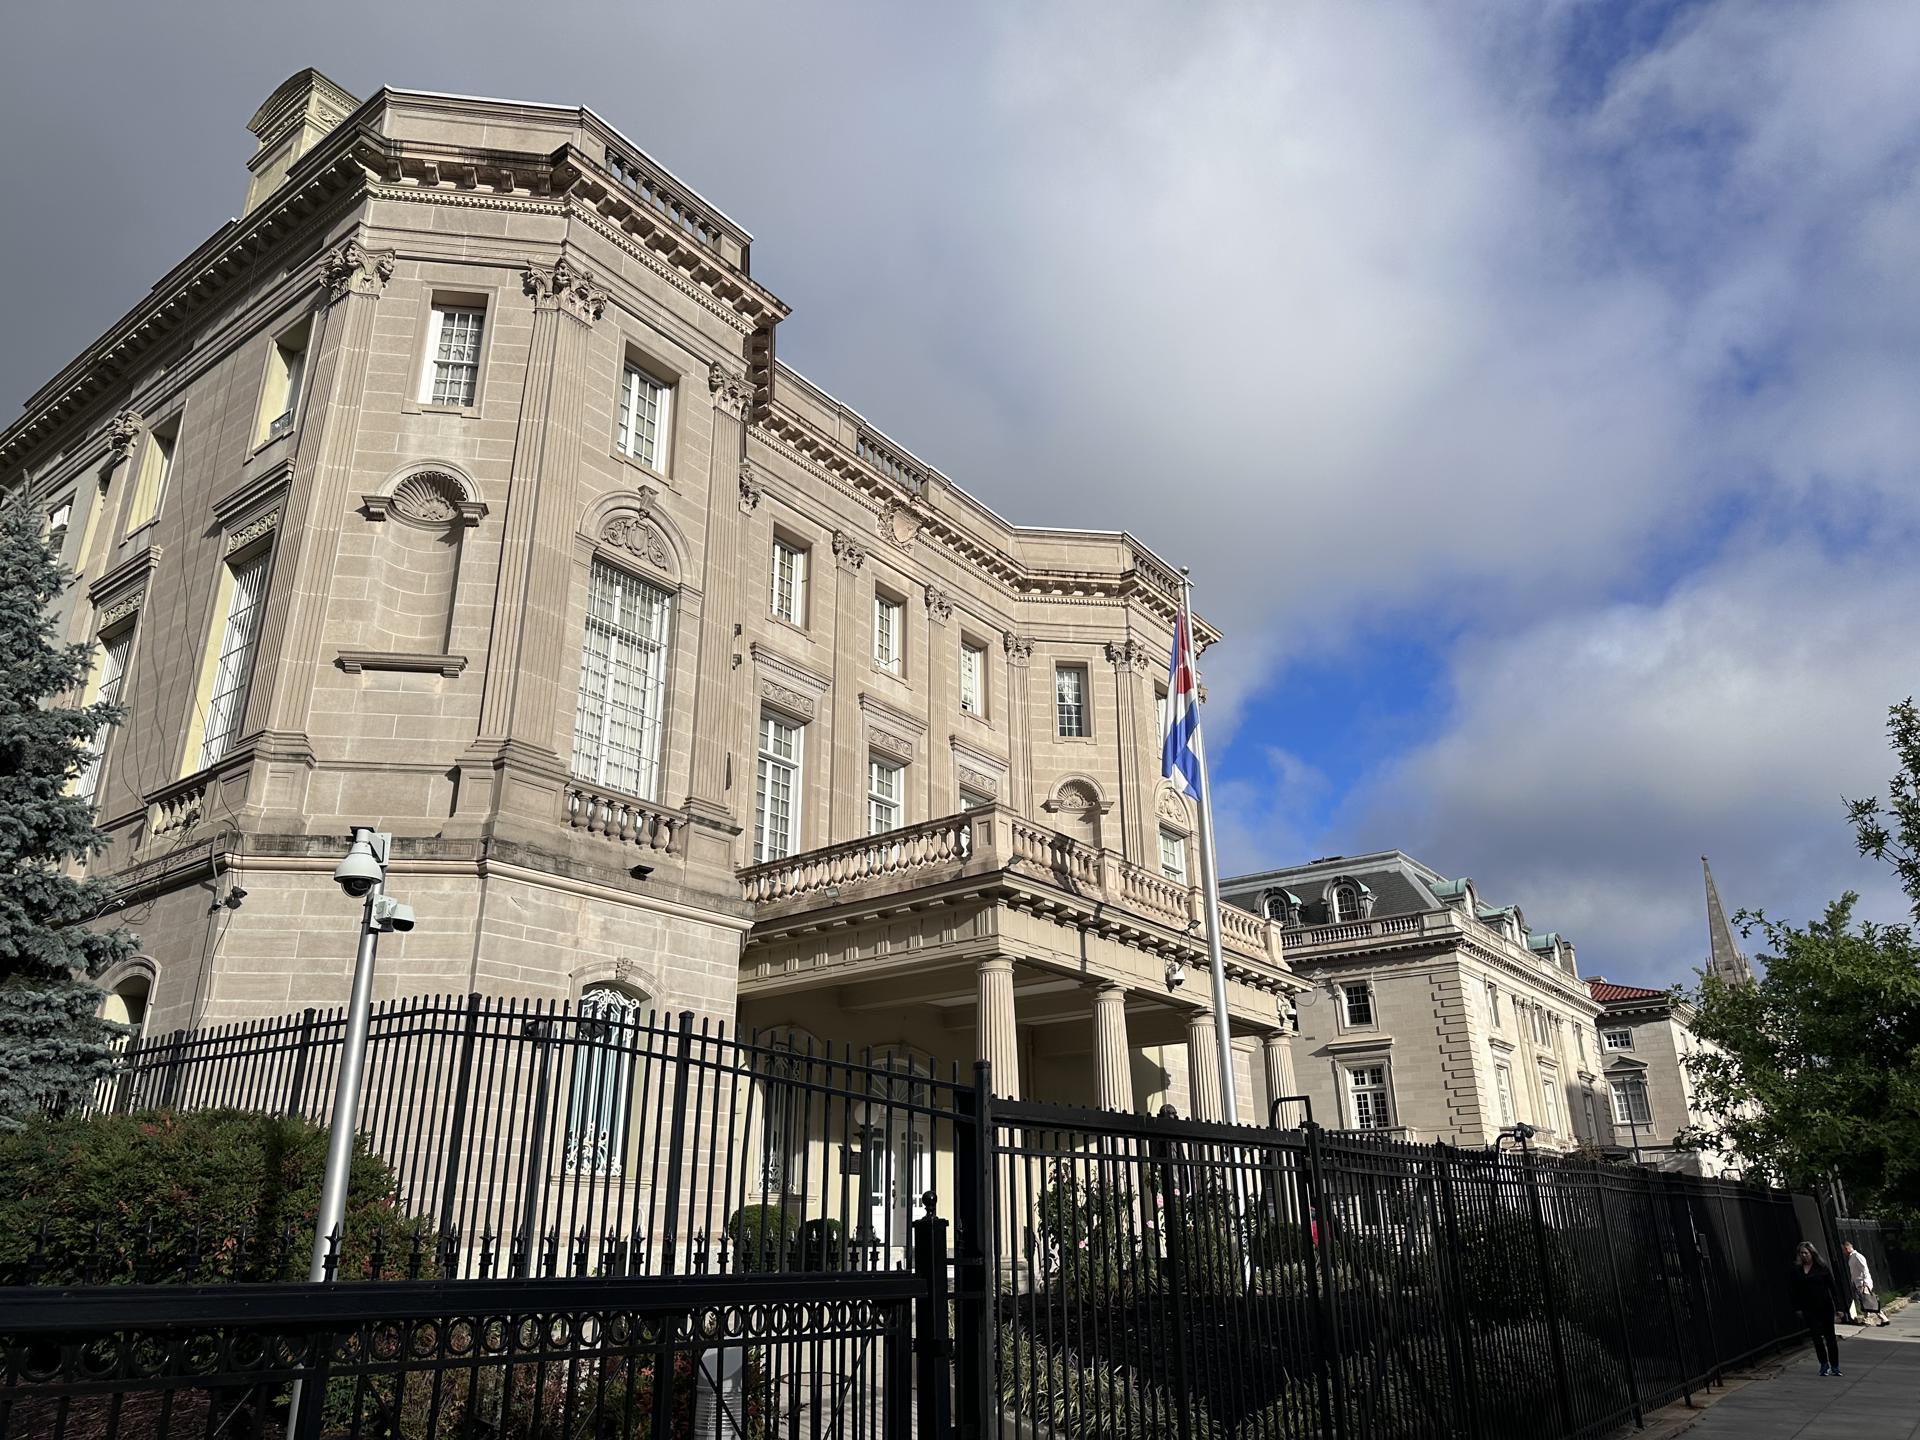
(1346, 903)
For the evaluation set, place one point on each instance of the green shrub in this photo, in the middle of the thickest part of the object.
(1058, 1395)
(820, 1245)
(1090, 1236)
(217, 1191)
(762, 1236)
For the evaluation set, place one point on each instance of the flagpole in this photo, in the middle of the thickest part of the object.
(1210, 879)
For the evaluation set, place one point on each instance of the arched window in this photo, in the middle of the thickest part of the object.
(606, 1035)
(1346, 903)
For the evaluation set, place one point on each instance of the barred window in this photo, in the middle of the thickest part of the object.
(644, 406)
(452, 374)
(605, 1039)
(109, 685)
(617, 726)
(1070, 701)
(233, 664)
(776, 826)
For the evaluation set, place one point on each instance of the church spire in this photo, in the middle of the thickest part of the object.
(1726, 961)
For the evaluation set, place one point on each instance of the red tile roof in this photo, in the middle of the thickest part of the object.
(1604, 992)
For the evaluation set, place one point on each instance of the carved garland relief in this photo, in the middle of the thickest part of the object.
(251, 531)
(639, 539)
(787, 698)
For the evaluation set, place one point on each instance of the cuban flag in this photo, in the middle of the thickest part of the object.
(1178, 760)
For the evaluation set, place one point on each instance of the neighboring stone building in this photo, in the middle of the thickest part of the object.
(1431, 1014)
(455, 490)
(1645, 1039)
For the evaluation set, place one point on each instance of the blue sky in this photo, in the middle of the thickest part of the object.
(1532, 387)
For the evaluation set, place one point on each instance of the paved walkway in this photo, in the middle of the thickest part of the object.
(1877, 1396)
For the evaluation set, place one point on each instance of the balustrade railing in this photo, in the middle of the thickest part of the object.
(622, 818)
(897, 852)
(179, 807)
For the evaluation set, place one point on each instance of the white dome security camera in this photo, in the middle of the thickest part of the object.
(1176, 975)
(391, 914)
(361, 870)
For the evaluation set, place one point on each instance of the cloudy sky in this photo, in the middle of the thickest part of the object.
(1534, 387)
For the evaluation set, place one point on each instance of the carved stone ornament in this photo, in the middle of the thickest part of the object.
(1019, 647)
(847, 550)
(892, 745)
(1074, 796)
(1127, 654)
(898, 525)
(120, 609)
(644, 496)
(563, 285)
(749, 491)
(939, 605)
(639, 539)
(352, 269)
(979, 781)
(251, 531)
(622, 968)
(730, 392)
(425, 499)
(123, 433)
(787, 698)
(1171, 807)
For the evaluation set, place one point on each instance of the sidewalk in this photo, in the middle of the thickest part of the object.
(1876, 1398)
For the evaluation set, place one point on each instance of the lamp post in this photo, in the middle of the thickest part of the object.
(362, 873)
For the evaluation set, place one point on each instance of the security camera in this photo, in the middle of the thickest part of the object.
(1176, 975)
(363, 867)
(391, 914)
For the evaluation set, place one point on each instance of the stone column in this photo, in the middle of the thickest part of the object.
(1019, 650)
(317, 505)
(1112, 1058)
(846, 765)
(1203, 1068)
(1277, 1049)
(998, 1026)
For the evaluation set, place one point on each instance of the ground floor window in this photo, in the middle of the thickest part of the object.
(1367, 1097)
(604, 1040)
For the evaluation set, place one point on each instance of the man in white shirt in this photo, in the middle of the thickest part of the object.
(1861, 1279)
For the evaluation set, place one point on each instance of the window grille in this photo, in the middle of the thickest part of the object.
(617, 725)
(604, 1043)
(226, 702)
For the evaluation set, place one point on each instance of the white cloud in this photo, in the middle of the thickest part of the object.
(1592, 758)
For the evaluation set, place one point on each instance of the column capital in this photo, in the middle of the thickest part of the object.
(352, 269)
(730, 391)
(848, 551)
(939, 605)
(124, 432)
(1128, 654)
(1019, 648)
(565, 286)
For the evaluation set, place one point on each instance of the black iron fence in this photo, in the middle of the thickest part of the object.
(620, 1227)
(1892, 1250)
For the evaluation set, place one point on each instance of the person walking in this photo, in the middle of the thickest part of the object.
(1860, 1277)
(1816, 1298)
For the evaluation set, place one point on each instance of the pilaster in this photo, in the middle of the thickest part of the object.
(940, 661)
(853, 637)
(307, 549)
(521, 715)
(1129, 660)
(1019, 650)
(1277, 1050)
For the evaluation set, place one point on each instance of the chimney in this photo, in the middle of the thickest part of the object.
(294, 119)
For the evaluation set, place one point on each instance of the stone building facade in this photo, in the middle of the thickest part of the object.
(1646, 1040)
(1430, 1013)
(455, 489)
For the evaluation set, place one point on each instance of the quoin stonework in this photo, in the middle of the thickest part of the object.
(455, 490)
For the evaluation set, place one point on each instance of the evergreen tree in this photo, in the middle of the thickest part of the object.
(53, 1046)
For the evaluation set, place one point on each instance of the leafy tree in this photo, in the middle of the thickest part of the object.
(53, 1047)
(1816, 1075)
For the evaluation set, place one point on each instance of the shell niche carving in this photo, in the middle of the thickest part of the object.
(426, 499)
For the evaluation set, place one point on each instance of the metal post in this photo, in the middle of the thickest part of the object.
(670, 1246)
(1169, 1161)
(1459, 1322)
(1549, 1292)
(1210, 886)
(301, 1058)
(456, 1140)
(974, 1243)
(533, 1187)
(1665, 1239)
(933, 1347)
(1330, 1375)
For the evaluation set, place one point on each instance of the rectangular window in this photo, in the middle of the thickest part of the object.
(1503, 1092)
(1367, 1094)
(59, 516)
(1580, 1040)
(1070, 701)
(1357, 1003)
(1173, 857)
(1630, 1102)
(623, 666)
(452, 372)
(1586, 1105)
(886, 788)
(776, 825)
(1620, 1039)
(1549, 1100)
(889, 617)
(1539, 1026)
(789, 592)
(973, 678)
(156, 469)
(109, 684)
(1160, 710)
(233, 666)
(644, 407)
(973, 799)
(280, 396)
